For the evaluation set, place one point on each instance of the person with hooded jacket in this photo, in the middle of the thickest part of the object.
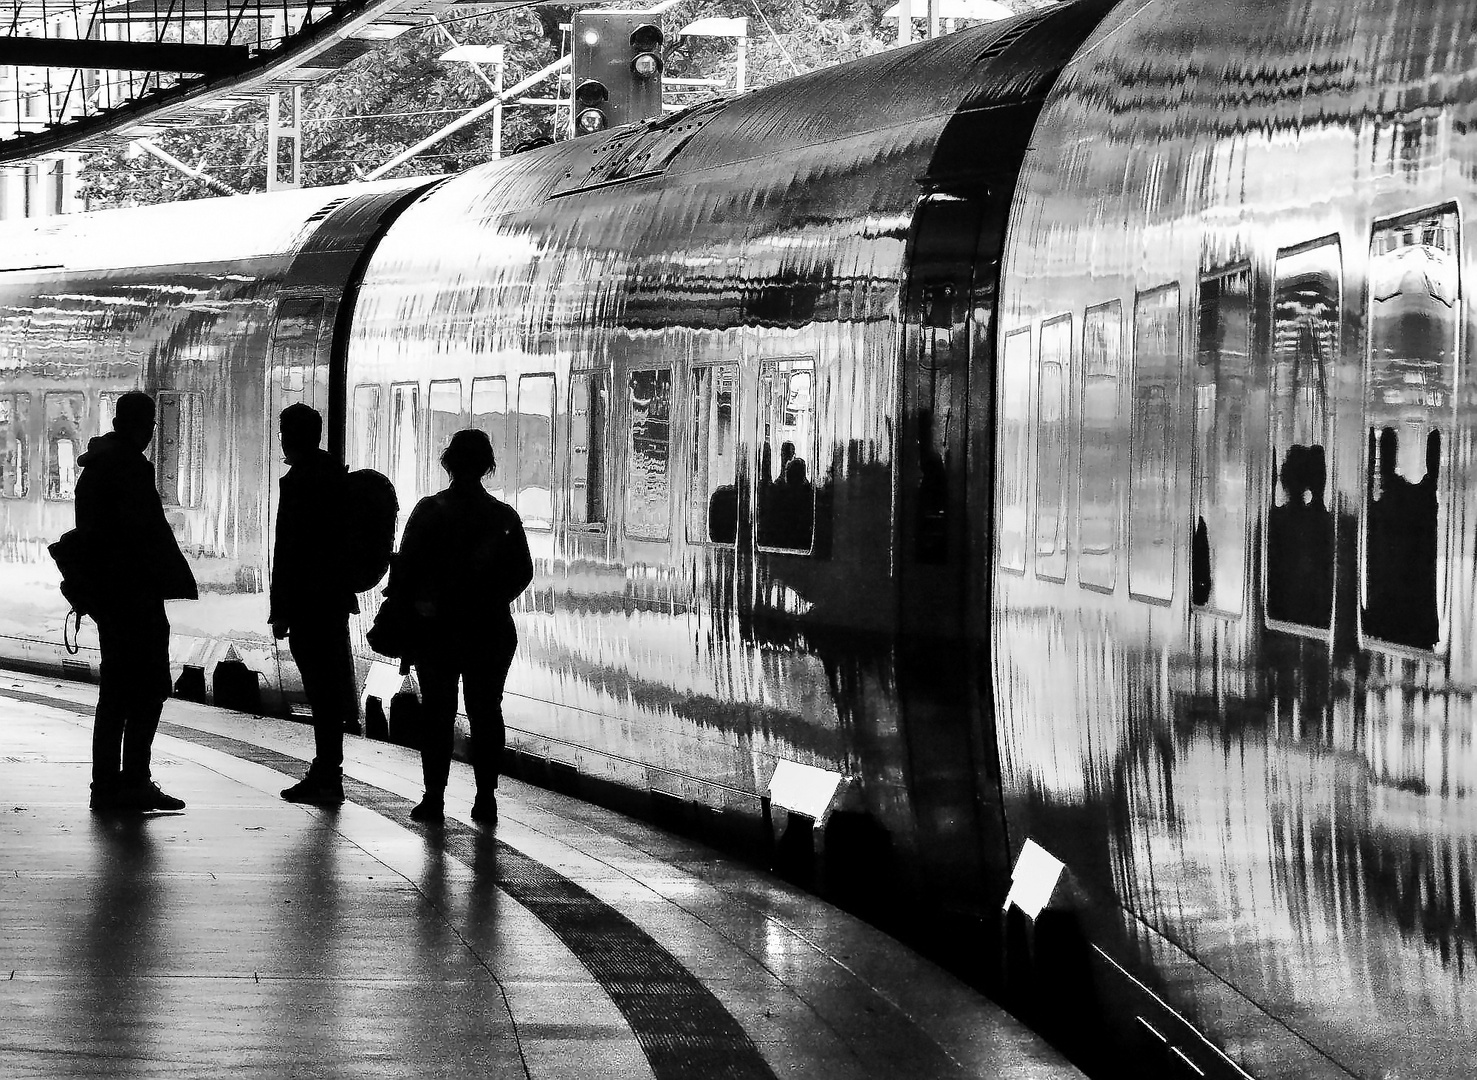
(311, 599)
(137, 565)
(462, 561)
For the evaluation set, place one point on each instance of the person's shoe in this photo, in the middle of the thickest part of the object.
(144, 795)
(316, 791)
(104, 798)
(430, 810)
(484, 809)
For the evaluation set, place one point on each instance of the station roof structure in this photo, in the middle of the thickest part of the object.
(85, 74)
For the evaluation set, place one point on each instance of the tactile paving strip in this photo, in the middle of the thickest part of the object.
(684, 1030)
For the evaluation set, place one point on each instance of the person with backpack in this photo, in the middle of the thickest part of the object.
(133, 565)
(312, 596)
(464, 558)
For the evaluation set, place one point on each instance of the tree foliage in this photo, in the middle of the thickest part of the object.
(397, 95)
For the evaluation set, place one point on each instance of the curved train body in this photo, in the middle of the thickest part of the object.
(1051, 433)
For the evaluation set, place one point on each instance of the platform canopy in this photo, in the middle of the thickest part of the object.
(79, 74)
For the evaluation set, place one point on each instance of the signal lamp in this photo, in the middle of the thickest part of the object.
(590, 101)
(646, 44)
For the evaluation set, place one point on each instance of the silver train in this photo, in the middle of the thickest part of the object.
(1049, 438)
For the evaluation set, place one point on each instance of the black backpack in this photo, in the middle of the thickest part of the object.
(78, 565)
(371, 510)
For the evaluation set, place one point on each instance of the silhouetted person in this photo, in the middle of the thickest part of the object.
(138, 567)
(464, 558)
(1401, 539)
(1300, 542)
(311, 599)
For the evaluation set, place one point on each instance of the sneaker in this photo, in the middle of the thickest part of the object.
(144, 795)
(314, 791)
(484, 809)
(429, 810)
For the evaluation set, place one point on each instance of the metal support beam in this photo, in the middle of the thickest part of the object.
(175, 163)
(285, 142)
(122, 55)
(467, 117)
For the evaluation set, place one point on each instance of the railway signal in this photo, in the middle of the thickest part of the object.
(616, 61)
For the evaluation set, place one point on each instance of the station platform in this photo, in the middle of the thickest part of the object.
(254, 937)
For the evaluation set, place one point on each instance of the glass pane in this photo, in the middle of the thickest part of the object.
(1410, 375)
(15, 445)
(1051, 449)
(490, 414)
(404, 427)
(366, 450)
(63, 444)
(1100, 490)
(179, 448)
(587, 410)
(648, 499)
(445, 404)
(1156, 368)
(786, 492)
(1305, 341)
(1222, 369)
(1015, 428)
(712, 509)
(535, 498)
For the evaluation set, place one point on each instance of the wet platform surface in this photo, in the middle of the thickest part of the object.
(261, 938)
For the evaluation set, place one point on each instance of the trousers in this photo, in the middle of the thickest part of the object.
(133, 681)
(481, 664)
(320, 648)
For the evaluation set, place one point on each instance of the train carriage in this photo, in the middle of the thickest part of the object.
(1052, 438)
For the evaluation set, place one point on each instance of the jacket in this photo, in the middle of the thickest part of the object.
(463, 559)
(308, 580)
(120, 513)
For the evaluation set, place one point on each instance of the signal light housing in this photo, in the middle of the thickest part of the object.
(590, 102)
(646, 51)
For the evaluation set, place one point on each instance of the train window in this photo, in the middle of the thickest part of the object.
(366, 450)
(712, 509)
(589, 405)
(648, 497)
(1100, 479)
(179, 447)
(444, 403)
(1305, 343)
(1218, 504)
(15, 445)
(63, 444)
(535, 493)
(1156, 374)
(1015, 460)
(786, 497)
(405, 443)
(1409, 380)
(1053, 384)
(490, 414)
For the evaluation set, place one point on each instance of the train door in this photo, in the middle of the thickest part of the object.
(931, 549)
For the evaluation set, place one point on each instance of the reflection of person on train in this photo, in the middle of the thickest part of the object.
(787, 506)
(1299, 542)
(1401, 560)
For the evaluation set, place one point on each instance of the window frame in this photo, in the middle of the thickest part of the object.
(630, 450)
(699, 415)
(370, 435)
(599, 439)
(536, 524)
(1219, 275)
(1044, 561)
(1171, 398)
(191, 457)
(1114, 432)
(24, 472)
(499, 445)
(433, 445)
(764, 365)
(1020, 371)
